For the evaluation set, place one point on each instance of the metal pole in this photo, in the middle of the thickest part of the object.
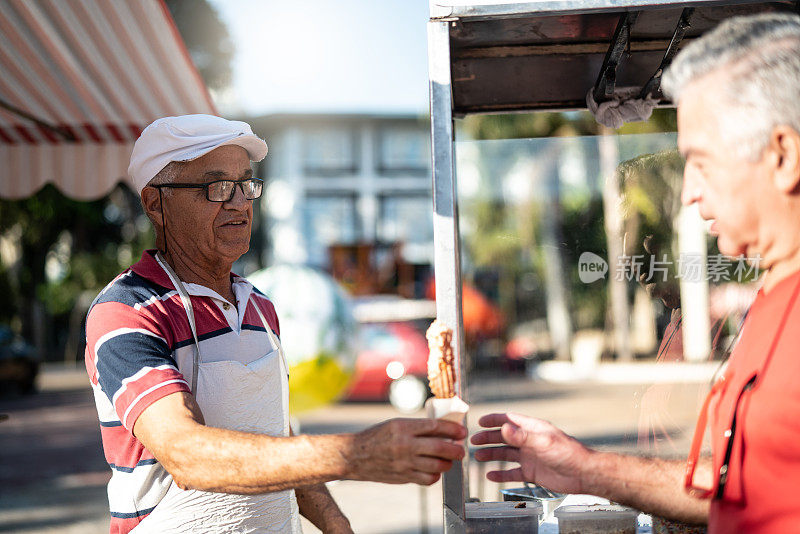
(447, 264)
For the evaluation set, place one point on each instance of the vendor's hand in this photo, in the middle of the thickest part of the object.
(406, 450)
(547, 456)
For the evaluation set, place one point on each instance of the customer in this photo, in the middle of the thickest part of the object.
(739, 130)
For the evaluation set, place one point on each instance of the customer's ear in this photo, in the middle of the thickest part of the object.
(784, 152)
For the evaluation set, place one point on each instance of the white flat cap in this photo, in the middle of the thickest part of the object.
(186, 138)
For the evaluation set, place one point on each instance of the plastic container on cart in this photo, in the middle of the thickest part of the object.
(499, 517)
(596, 519)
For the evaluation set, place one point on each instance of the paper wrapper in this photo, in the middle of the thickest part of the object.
(453, 409)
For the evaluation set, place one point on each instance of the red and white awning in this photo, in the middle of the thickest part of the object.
(79, 80)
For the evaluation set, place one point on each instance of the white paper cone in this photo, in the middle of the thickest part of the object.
(453, 409)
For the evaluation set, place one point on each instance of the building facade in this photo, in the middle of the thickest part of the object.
(343, 181)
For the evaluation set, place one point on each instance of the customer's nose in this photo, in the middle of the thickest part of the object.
(690, 192)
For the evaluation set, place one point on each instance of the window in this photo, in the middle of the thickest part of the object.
(330, 152)
(328, 220)
(404, 150)
(408, 219)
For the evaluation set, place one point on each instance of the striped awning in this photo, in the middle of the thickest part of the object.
(79, 80)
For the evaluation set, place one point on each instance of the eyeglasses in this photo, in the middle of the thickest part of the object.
(223, 190)
(697, 441)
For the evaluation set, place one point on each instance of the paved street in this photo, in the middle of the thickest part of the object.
(53, 475)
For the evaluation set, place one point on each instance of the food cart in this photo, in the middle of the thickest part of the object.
(498, 57)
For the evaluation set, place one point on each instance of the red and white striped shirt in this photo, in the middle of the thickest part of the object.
(138, 347)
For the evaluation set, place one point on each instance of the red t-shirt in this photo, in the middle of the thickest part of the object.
(761, 494)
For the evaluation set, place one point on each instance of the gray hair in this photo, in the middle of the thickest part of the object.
(166, 175)
(759, 57)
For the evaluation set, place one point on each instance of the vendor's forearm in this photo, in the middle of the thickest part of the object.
(214, 459)
(651, 485)
(317, 505)
(220, 460)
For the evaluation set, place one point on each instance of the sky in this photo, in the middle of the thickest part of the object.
(340, 56)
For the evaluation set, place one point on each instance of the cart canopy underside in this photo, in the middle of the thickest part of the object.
(549, 61)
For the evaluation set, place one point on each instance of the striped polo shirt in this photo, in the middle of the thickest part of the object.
(139, 346)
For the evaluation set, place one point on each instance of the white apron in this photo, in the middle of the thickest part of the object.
(234, 396)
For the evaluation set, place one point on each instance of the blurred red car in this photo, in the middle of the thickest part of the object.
(392, 364)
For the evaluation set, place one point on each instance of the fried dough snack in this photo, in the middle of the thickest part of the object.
(441, 364)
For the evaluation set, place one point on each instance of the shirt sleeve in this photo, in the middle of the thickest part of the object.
(130, 358)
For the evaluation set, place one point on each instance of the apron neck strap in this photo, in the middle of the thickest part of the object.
(272, 337)
(187, 306)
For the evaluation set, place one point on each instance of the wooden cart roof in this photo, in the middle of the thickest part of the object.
(548, 54)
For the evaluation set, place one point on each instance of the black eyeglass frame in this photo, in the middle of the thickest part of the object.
(731, 432)
(207, 185)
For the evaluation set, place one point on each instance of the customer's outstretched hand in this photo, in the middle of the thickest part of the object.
(546, 455)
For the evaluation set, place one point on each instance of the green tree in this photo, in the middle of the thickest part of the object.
(514, 239)
(60, 249)
(207, 38)
(558, 124)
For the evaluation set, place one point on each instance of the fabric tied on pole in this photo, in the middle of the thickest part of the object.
(624, 106)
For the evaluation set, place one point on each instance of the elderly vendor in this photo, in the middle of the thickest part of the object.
(189, 376)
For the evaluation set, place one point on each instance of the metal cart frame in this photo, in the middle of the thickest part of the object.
(488, 57)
